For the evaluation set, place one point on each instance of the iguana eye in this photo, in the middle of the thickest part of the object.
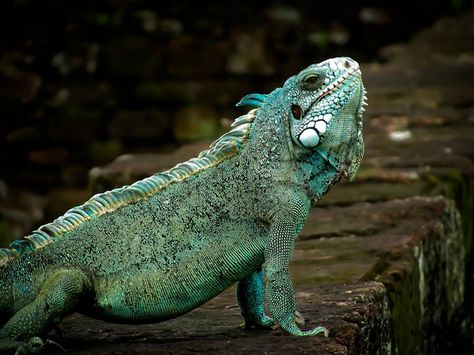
(296, 111)
(312, 81)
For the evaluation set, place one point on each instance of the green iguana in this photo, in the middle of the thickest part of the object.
(164, 245)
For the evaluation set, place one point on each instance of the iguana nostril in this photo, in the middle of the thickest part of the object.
(296, 111)
(347, 64)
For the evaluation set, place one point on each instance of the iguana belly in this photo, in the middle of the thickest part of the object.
(148, 296)
(162, 293)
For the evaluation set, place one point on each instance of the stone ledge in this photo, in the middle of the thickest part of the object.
(414, 247)
(356, 314)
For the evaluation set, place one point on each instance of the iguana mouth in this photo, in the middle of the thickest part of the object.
(345, 168)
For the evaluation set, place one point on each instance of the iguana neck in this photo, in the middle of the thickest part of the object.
(271, 154)
(318, 175)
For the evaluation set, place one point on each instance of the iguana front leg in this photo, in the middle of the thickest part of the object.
(250, 293)
(278, 286)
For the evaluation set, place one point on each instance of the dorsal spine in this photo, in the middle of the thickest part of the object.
(223, 148)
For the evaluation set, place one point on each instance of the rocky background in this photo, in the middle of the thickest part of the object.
(385, 262)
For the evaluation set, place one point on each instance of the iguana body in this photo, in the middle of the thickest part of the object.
(173, 241)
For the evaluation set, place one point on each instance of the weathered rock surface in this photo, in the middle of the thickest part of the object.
(357, 315)
(413, 246)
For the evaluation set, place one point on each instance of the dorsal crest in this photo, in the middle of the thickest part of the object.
(223, 148)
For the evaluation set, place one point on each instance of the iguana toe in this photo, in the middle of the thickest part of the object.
(299, 319)
(34, 346)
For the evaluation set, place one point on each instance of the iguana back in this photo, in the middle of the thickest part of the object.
(138, 231)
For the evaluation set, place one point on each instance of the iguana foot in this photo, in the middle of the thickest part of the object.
(299, 319)
(316, 331)
(34, 346)
(309, 333)
(291, 328)
(268, 323)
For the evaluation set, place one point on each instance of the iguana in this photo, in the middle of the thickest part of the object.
(166, 244)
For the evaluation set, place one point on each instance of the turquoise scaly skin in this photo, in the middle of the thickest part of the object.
(165, 245)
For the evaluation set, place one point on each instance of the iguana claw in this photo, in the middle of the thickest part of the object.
(51, 342)
(34, 346)
(299, 319)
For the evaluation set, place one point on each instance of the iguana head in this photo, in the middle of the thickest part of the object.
(326, 103)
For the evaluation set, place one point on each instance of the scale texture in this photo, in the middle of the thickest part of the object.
(164, 245)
